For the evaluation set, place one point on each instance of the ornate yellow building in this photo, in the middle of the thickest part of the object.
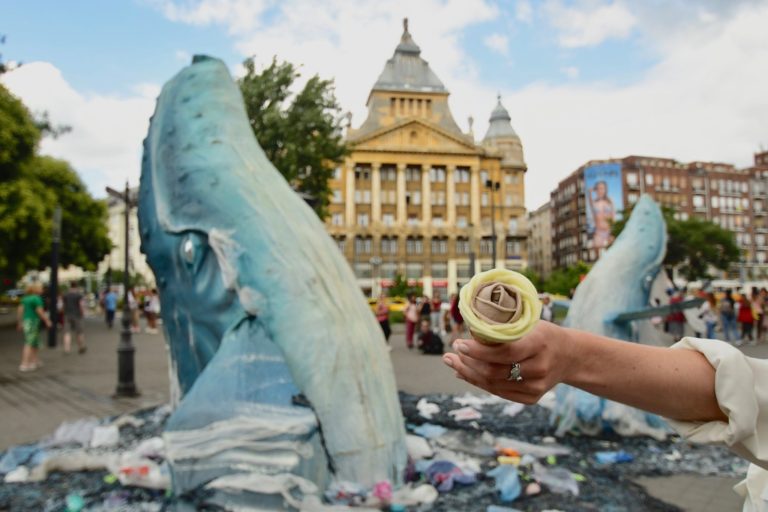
(416, 195)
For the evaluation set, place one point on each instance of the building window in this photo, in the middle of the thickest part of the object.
(486, 245)
(462, 245)
(437, 221)
(341, 242)
(337, 219)
(413, 219)
(363, 196)
(698, 202)
(483, 177)
(715, 202)
(414, 245)
(508, 200)
(632, 198)
(413, 197)
(649, 179)
(439, 271)
(513, 247)
(412, 173)
(388, 219)
(336, 197)
(389, 245)
(362, 219)
(362, 172)
(439, 245)
(462, 198)
(461, 221)
(632, 179)
(511, 178)
(337, 173)
(484, 199)
(437, 174)
(388, 173)
(388, 270)
(512, 225)
(363, 270)
(438, 198)
(461, 175)
(463, 271)
(362, 245)
(414, 270)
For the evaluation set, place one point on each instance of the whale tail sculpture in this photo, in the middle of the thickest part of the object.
(619, 282)
(283, 380)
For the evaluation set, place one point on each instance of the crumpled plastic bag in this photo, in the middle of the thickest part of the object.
(444, 474)
(558, 480)
(507, 482)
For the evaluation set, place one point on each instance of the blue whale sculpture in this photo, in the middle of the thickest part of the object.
(280, 371)
(619, 282)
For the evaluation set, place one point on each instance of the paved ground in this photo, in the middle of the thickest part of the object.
(72, 386)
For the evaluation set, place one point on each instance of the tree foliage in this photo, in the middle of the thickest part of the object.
(400, 288)
(31, 186)
(693, 245)
(563, 281)
(300, 133)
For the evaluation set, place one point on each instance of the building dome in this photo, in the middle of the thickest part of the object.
(500, 123)
(502, 137)
(406, 71)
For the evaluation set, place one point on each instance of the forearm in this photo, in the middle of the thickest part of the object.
(678, 384)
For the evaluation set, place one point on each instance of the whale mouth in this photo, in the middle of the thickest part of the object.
(260, 429)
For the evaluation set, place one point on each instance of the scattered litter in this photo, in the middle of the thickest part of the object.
(411, 496)
(558, 480)
(152, 448)
(551, 460)
(128, 420)
(74, 502)
(15, 456)
(427, 409)
(465, 414)
(18, 475)
(527, 448)
(418, 447)
(613, 457)
(444, 474)
(468, 442)
(429, 430)
(468, 399)
(507, 482)
(77, 432)
(512, 409)
(383, 491)
(496, 508)
(105, 437)
(532, 489)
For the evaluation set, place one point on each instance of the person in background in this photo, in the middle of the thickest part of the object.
(708, 313)
(458, 320)
(74, 313)
(382, 316)
(676, 319)
(727, 309)
(411, 314)
(746, 320)
(133, 306)
(435, 315)
(758, 307)
(763, 315)
(425, 309)
(29, 316)
(546, 308)
(429, 342)
(110, 306)
(152, 311)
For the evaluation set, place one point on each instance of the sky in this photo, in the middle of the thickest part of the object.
(581, 79)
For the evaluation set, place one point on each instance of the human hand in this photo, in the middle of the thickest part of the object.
(546, 357)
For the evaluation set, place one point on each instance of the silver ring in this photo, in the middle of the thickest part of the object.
(514, 373)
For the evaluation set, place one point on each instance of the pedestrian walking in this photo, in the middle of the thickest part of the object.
(758, 312)
(152, 311)
(74, 313)
(546, 308)
(382, 316)
(133, 306)
(458, 320)
(708, 314)
(727, 309)
(411, 318)
(30, 315)
(436, 306)
(746, 319)
(110, 306)
(676, 319)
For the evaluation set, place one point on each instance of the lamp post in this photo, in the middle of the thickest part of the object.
(126, 384)
(53, 289)
(493, 186)
(375, 264)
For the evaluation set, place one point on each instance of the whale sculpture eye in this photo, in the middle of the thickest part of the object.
(192, 251)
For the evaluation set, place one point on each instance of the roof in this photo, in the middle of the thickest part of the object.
(500, 123)
(406, 71)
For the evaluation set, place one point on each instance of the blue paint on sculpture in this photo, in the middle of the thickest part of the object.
(620, 281)
(259, 307)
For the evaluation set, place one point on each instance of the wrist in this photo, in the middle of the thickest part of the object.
(577, 357)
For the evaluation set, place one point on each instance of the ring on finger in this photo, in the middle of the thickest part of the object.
(514, 373)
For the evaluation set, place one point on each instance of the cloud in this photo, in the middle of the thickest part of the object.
(104, 145)
(238, 16)
(589, 24)
(498, 43)
(571, 72)
(523, 11)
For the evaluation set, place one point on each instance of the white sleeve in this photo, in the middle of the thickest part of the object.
(741, 388)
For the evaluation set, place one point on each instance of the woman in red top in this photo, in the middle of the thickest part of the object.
(411, 317)
(745, 318)
(382, 315)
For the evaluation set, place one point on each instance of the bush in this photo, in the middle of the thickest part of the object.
(396, 317)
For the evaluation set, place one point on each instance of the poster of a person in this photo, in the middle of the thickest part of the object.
(603, 187)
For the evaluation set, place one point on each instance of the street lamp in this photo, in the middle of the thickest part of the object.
(375, 264)
(126, 384)
(54, 278)
(493, 186)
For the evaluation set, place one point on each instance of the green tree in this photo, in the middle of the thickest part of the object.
(693, 245)
(31, 186)
(563, 280)
(533, 277)
(300, 133)
(400, 288)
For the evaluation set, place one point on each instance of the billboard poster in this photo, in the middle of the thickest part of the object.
(605, 201)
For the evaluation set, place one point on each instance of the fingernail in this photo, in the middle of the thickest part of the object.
(463, 348)
(448, 362)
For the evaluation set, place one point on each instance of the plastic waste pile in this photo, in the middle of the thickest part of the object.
(502, 457)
